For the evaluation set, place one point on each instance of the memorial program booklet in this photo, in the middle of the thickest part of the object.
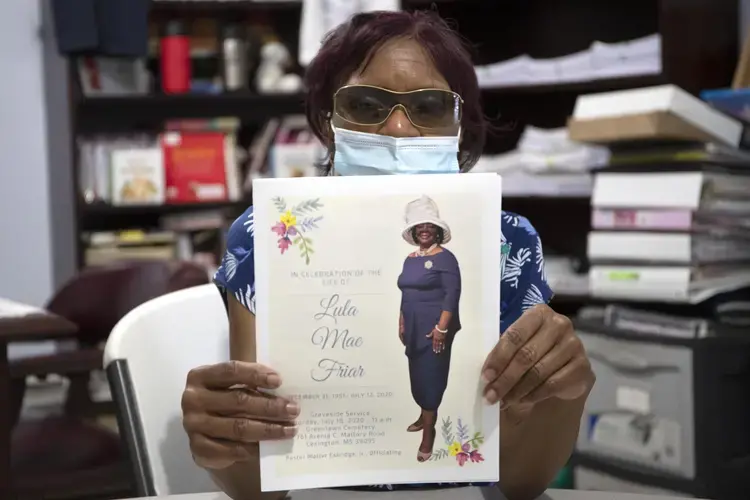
(378, 301)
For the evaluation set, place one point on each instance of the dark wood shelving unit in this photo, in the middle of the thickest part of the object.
(699, 50)
(104, 217)
(113, 114)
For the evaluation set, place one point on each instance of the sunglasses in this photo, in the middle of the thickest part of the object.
(425, 108)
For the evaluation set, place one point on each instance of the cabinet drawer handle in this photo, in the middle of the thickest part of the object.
(629, 363)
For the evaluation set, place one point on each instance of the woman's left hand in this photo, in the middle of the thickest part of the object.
(538, 357)
(438, 340)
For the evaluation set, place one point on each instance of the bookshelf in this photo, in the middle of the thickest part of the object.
(699, 51)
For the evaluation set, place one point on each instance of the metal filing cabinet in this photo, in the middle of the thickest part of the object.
(641, 409)
(667, 413)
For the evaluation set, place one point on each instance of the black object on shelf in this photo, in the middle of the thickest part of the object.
(109, 114)
(104, 217)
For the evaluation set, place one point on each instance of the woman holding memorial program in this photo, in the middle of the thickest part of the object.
(430, 286)
(405, 75)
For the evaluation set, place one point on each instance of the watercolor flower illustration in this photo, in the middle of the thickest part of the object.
(295, 224)
(460, 443)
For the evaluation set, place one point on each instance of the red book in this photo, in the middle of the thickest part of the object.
(195, 166)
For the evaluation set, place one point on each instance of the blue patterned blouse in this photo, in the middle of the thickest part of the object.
(523, 282)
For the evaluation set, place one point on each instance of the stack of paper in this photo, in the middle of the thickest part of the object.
(602, 60)
(546, 163)
(671, 213)
(670, 236)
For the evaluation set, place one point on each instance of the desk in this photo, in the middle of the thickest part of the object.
(447, 494)
(20, 323)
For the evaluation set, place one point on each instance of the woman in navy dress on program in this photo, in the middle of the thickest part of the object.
(430, 286)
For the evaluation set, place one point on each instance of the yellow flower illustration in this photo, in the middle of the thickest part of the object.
(288, 219)
(454, 449)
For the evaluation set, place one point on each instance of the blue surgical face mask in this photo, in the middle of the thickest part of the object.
(361, 153)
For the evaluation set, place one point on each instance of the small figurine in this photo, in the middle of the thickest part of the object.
(271, 76)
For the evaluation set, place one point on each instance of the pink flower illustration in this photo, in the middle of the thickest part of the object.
(460, 443)
(284, 244)
(295, 225)
(476, 457)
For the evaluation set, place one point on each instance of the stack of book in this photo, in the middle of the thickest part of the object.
(671, 213)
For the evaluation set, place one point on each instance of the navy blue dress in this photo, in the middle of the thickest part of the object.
(523, 282)
(429, 285)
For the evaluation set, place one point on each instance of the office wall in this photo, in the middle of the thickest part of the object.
(36, 197)
(35, 246)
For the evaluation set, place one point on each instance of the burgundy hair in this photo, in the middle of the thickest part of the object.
(347, 47)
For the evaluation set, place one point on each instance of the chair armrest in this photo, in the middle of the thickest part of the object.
(36, 327)
(63, 363)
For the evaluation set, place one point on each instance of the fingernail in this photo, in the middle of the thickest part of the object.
(491, 397)
(290, 431)
(488, 376)
(273, 380)
(292, 409)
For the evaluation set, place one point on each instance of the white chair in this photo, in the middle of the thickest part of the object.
(147, 358)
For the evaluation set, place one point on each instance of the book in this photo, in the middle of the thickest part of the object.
(663, 112)
(705, 191)
(678, 284)
(734, 102)
(671, 220)
(199, 167)
(345, 305)
(668, 248)
(137, 177)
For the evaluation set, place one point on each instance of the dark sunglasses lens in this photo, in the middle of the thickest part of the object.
(363, 105)
(433, 108)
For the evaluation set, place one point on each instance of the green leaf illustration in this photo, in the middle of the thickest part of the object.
(307, 207)
(280, 204)
(476, 440)
(305, 247)
(447, 431)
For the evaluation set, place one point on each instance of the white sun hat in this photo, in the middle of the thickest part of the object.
(421, 211)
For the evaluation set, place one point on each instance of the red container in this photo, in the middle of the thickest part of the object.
(174, 49)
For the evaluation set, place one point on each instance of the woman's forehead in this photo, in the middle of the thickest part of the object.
(400, 65)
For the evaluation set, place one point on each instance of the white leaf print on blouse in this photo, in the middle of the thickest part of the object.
(514, 266)
(246, 297)
(250, 223)
(510, 219)
(540, 259)
(230, 265)
(533, 297)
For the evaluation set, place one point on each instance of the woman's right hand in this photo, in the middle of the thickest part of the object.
(225, 415)
(401, 330)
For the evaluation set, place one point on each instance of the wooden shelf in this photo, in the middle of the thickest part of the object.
(103, 217)
(257, 5)
(125, 113)
(587, 87)
(227, 6)
(98, 114)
